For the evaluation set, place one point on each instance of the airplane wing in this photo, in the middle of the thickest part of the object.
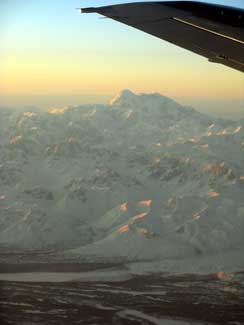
(213, 31)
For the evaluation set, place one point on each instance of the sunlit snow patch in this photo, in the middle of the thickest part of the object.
(123, 207)
(140, 216)
(146, 203)
(29, 114)
(213, 194)
(57, 110)
(123, 229)
(16, 139)
(204, 146)
(72, 140)
(237, 130)
(223, 132)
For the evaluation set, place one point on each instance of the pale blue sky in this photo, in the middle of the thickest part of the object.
(30, 25)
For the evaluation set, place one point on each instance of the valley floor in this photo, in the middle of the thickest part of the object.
(140, 299)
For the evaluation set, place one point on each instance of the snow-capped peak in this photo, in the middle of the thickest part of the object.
(128, 99)
(122, 97)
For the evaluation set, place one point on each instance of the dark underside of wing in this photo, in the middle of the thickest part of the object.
(213, 31)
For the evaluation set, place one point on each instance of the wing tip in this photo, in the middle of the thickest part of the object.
(88, 10)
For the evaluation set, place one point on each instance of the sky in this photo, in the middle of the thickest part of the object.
(49, 50)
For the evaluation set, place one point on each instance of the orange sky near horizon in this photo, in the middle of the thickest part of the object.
(86, 75)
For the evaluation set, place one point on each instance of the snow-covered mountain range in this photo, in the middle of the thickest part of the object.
(142, 178)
